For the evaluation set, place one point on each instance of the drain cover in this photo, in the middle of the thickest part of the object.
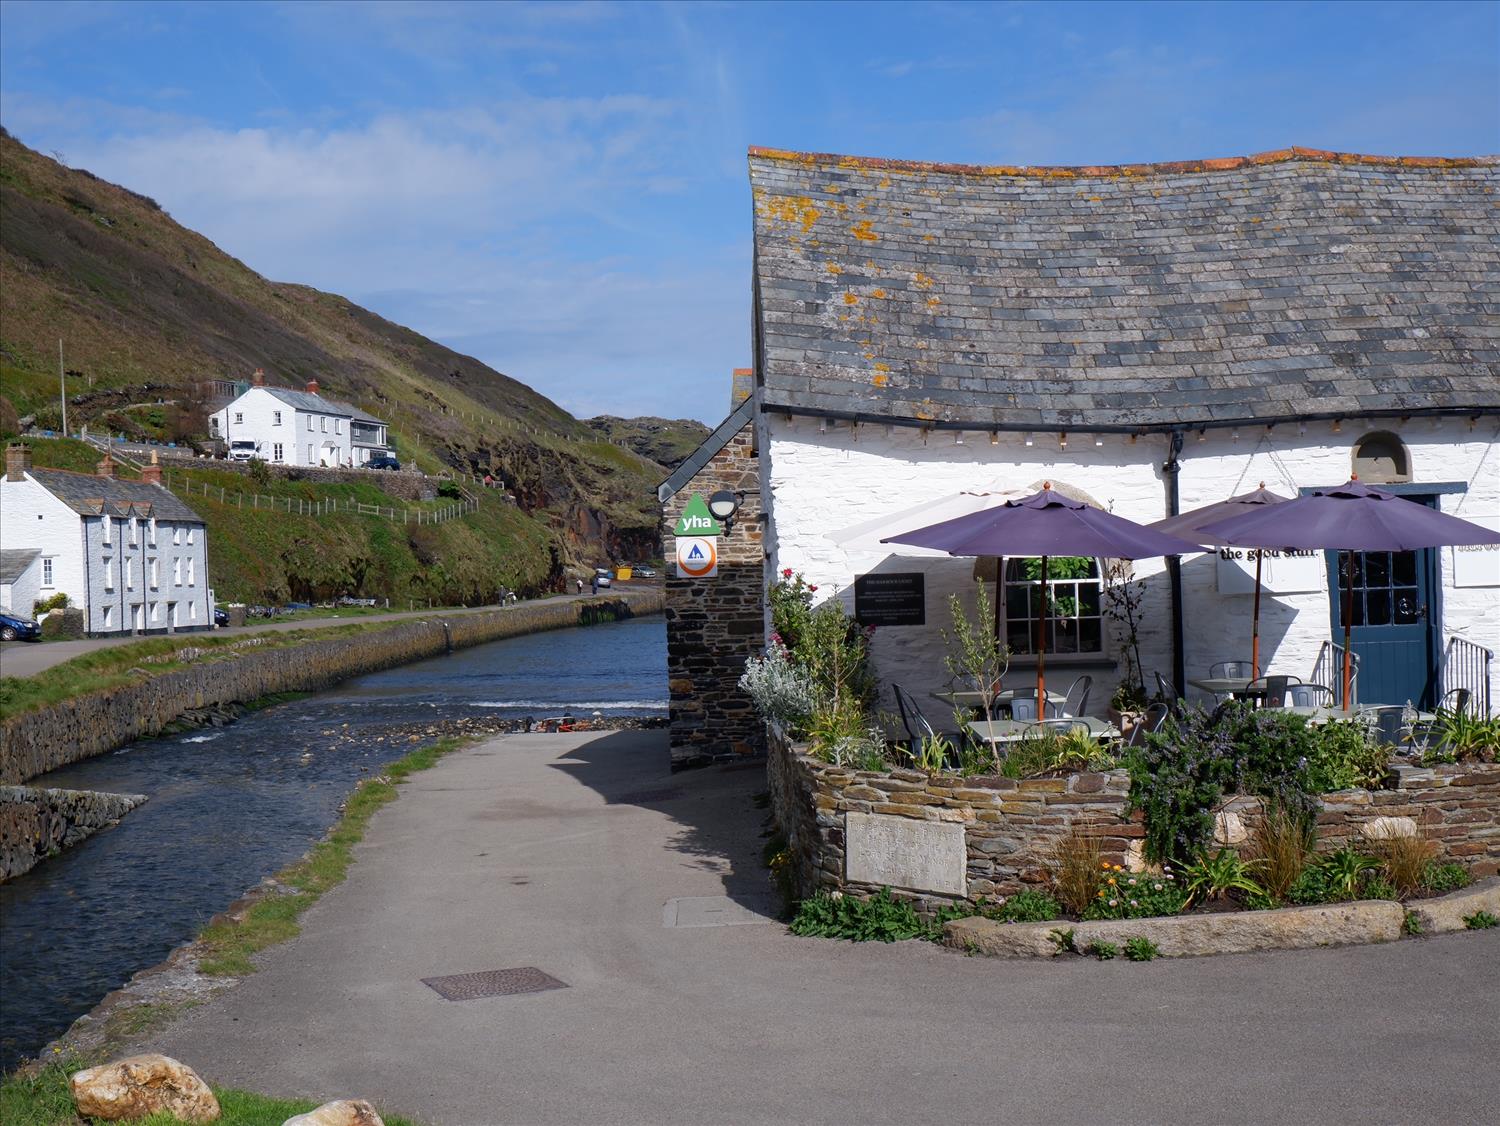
(493, 983)
(646, 797)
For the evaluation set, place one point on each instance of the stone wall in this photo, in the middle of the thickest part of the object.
(35, 823)
(714, 624)
(1010, 827)
(405, 484)
(44, 739)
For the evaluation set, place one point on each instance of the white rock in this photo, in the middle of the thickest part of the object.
(1229, 829)
(340, 1112)
(1135, 857)
(143, 1085)
(1389, 828)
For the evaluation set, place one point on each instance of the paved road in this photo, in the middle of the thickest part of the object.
(23, 658)
(560, 851)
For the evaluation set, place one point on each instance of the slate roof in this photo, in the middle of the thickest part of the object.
(93, 496)
(14, 561)
(307, 401)
(1295, 284)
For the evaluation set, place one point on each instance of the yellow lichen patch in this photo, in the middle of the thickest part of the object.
(1096, 199)
(792, 209)
(833, 268)
(879, 379)
(851, 299)
(877, 293)
(861, 231)
(833, 189)
(885, 183)
(840, 209)
(1255, 218)
(926, 238)
(933, 302)
(860, 206)
(921, 280)
(882, 367)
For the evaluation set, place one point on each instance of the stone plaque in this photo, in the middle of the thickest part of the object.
(905, 853)
(1477, 565)
(891, 600)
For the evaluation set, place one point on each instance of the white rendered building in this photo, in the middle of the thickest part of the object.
(300, 427)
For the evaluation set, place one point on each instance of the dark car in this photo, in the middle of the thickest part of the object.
(13, 627)
(384, 461)
(221, 617)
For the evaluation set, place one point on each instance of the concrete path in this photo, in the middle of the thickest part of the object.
(561, 851)
(27, 658)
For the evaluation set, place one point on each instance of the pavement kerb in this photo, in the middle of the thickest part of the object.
(1233, 932)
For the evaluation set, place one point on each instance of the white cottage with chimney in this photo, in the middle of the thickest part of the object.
(1150, 338)
(130, 554)
(286, 427)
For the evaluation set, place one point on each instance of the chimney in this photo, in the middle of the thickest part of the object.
(106, 467)
(17, 461)
(312, 386)
(259, 378)
(742, 386)
(151, 474)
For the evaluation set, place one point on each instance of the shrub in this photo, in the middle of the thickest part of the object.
(63, 625)
(1141, 949)
(977, 655)
(791, 607)
(1213, 876)
(1048, 752)
(1102, 950)
(846, 737)
(1446, 877)
(1077, 872)
(1405, 860)
(1462, 737)
(1137, 895)
(880, 918)
(1282, 842)
(1177, 776)
(450, 490)
(43, 605)
(1029, 906)
(1335, 878)
(1346, 757)
(779, 688)
(1481, 921)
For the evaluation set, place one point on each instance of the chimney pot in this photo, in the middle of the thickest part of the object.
(106, 467)
(312, 386)
(151, 474)
(259, 378)
(17, 461)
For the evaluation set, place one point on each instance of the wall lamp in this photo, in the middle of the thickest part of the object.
(723, 505)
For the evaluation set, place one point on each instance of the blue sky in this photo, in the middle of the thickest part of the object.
(560, 189)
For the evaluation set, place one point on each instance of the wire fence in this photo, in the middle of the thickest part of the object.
(328, 506)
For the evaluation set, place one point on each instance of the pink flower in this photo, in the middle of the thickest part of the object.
(812, 588)
(786, 572)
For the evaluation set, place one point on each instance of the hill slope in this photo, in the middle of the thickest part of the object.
(149, 310)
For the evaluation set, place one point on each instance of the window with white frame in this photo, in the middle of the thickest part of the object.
(176, 535)
(323, 421)
(151, 534)
(191, 568)
(129, 574)
(190, 535)
(338, 426)
(312, 453)
(177, 571)
(275, 456)
(47, 570)
(155, 565)
(107, 616)
(192, 611)
(109, 573)
(309, 422)
(275, 418)
(239, 418)
(108, 525)
(133, 532)
(1075, 620)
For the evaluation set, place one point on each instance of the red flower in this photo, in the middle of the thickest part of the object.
(786, 572)
(812, 588)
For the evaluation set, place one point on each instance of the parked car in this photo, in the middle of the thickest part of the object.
(384, 461)
(644, 572)
(221, 617)
(13, 627)
(603, 576)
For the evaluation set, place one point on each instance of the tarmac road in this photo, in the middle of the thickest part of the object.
(560, 851)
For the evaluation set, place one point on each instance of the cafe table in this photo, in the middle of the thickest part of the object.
(1014, 730)
(1236, 686)
(968, 698)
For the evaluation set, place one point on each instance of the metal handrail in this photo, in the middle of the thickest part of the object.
(1467, 665)
(1328, 670)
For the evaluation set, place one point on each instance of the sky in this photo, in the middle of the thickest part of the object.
(560, 189)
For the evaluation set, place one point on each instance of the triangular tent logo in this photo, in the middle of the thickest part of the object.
(696, 520)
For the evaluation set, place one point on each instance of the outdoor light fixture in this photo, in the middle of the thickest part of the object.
(823, 427)
(723, 505)
(1338, 425)
(1203, 434)
(1234, 435)
(1098, 440)
(1027, 438)
(1301, 428)
(958, 437)
(994, 437)
(1062, 441)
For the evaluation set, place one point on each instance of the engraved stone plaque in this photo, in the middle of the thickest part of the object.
(905, 853)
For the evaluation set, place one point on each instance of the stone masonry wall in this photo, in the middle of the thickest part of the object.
(1012, 826)
(714, 624)
(34, 823)
(34, 742)
(406, 484)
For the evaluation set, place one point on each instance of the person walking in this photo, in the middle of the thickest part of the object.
(596, 584)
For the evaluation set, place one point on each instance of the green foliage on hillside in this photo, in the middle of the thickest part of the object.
(666, 441)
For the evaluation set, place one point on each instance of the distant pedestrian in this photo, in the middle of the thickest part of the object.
(580, 585)
(596, 584)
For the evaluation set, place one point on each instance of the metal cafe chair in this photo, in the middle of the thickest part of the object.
(1169, 694)
(1076, 702)
(1456, 700)
(1023, 708)
(1310, 695)
(1155, 717)
(918, 728)
(1387, 723)
(1231, 670)
(1273, 689)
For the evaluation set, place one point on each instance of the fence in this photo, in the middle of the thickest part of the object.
(1329, 672)
(331, 506)
(1466, 665)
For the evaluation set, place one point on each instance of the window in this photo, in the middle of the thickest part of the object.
(275, 418)
(338, 426)
(192, 611)
(239, 418)
(108, 524)
(176, 535)
(155, 565)
(132, 531)
(309, 422)
(323, 419)
(1075, 622)
(275, 456)
(47, 571)
(109, 573)
(107, 615)
(191, 568)
(151, 536)
(177, 571)
(312, 452)
(190, 535)
(130, 574)
(213, 422)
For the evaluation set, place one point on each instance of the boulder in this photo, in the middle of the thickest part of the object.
(1448, 912)
(340, 1112)
(141, 1086)
(1388, 828)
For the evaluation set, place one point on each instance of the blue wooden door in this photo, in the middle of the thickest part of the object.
(1395, 613)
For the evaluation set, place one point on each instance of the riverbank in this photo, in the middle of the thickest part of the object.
(142, 701)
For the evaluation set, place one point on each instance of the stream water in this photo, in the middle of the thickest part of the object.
(229, 806)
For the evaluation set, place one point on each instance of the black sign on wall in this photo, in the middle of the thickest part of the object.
(891, 600)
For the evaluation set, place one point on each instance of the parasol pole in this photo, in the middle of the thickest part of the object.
(1255, 622)
(1041, 651)
(1348, 618)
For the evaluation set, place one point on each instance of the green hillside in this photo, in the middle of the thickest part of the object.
(149, 311)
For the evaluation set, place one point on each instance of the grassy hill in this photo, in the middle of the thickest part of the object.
(149, 310)
(666, 441)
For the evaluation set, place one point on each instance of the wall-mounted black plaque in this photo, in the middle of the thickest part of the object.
(891, 600)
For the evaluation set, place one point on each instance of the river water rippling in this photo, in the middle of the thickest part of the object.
(229, 806)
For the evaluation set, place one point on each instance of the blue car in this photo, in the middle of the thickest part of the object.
(16, 628)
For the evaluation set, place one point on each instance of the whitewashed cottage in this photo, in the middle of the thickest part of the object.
(130, 554)
(287, 427)
(1151, 338)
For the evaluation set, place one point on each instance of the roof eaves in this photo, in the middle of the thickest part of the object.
(705, 452)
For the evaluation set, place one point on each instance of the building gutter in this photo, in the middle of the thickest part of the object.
(1169, 473)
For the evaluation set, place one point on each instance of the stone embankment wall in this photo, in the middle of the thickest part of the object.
(41, 740)
(402, 483)
(35, 823)
(1011, 827)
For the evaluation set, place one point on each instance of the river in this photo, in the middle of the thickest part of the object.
(229, 806)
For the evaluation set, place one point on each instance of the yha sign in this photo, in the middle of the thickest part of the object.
(696, 520)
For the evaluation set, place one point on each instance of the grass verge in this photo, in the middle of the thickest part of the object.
(43, 1100)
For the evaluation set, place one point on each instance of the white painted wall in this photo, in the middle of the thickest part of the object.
(20, 597)
(328, 434)
(816, 483)
(31, 517)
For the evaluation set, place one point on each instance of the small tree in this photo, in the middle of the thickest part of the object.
(977, 657)
(1122, 603)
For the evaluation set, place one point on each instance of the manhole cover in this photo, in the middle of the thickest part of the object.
(493, 983)
(645, 797)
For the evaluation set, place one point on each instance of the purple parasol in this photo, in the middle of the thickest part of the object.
(1192, 524)
(1349, 518)
(1044, 524)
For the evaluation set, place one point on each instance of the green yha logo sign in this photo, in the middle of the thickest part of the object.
(696, 520)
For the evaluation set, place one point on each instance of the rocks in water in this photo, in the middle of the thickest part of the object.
(341, 1112)
(141, 1086)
